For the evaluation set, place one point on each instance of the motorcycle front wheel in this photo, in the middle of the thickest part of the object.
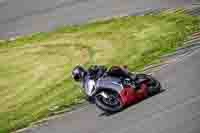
(108, 101)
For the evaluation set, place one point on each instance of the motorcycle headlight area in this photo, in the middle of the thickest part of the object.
(90, 87)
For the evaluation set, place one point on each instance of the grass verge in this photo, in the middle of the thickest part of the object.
(35, 70)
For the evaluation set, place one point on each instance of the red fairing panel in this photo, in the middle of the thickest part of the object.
(142, 92)
(129, 95)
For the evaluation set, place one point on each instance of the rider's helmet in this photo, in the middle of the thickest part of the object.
(78, 73)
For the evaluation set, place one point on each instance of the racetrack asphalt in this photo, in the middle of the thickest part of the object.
(176, 110)
(19, 17)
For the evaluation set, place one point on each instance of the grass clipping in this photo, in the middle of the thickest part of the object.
(35, 70)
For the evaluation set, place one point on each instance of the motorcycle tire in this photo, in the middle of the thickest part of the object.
(154, 85)
(106, 107)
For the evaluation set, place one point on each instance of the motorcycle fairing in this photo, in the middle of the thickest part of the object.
(109, 82)
(130, 95)
(127, 93)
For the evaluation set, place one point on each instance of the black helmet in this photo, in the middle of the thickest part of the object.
(78, 73)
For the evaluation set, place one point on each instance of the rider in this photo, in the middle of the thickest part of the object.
(80, 74)
(94, 72)
(87, 78)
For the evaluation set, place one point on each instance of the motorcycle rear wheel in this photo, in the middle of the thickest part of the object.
(153, 85)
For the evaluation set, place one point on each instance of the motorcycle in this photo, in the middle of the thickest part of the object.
(113, 92)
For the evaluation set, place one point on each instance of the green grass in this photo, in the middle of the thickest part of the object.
(35, 70)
